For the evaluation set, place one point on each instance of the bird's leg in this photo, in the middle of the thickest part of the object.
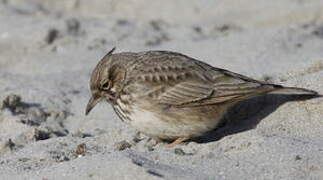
(177, 141)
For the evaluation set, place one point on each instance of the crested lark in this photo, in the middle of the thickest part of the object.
(170, 96)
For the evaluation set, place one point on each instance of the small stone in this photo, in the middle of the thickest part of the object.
(81, 150)
(197, 29)
(224, 28)
(179, 151)
(318, 32)
(81, 134)
(122, 22)
(52, 35)
(11, 102)
(59, 156)
(299, 45)
(122, 145)
(40, 134)
(138, 163)
(137, 138)
(154, 173)
(23, 159)
(150, 148)
(9, 145)
(298, 157)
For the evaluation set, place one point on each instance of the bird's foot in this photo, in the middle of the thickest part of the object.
(176, 142)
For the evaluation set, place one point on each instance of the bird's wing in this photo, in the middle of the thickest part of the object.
(185, 93)
(197, 92)
(211, 88)
(178, 80)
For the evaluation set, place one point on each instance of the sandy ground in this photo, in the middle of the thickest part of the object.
(49, 48)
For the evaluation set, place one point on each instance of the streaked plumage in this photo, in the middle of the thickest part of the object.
(168, 95)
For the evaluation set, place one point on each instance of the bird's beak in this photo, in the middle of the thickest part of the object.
(92, 102)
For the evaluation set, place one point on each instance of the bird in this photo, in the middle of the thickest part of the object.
(170, 96)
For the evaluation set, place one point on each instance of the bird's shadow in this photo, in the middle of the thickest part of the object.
(247, 114)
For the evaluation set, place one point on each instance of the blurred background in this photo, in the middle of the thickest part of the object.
(198, 28)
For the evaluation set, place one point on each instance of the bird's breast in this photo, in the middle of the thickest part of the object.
(123, 108)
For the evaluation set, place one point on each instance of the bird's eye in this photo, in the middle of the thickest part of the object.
(105, 85)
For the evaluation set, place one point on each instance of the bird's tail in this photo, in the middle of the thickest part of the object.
(293, 91)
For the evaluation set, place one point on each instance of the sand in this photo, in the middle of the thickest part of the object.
(49, 48)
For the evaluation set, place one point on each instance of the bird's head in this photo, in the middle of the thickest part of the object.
(103, 82)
